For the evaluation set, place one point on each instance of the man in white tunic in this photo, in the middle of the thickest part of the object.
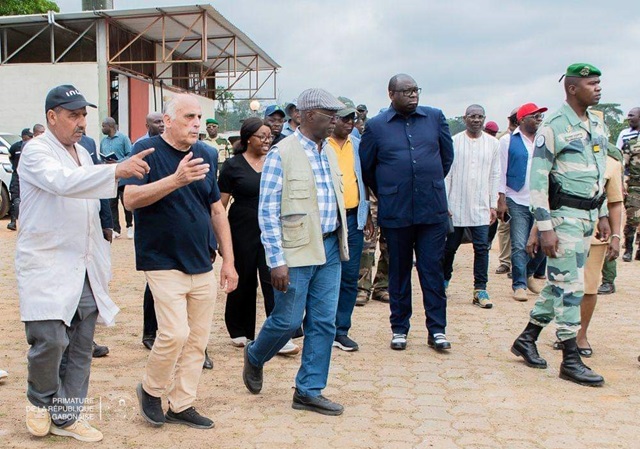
(472, 194)
(63, 264)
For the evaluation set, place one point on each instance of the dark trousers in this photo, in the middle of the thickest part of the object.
(349, 276)
(150, 323)
(428, 240)
(59, 361)
(128, 216)
(14, 191)
(480, 241)
(240, 309)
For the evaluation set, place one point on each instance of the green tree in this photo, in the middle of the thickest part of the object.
(612, 118)
(456, 125)
(21, 7)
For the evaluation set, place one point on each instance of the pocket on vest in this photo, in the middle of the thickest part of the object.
(299, 185)
(295, 230)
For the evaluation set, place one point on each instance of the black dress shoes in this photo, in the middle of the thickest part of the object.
(148, 341)
(318, 404)
(99, 350)
(251, 375)
(208, 363)
(438, 342)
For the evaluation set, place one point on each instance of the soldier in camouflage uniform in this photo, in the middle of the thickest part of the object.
(567, 198)
(378, 289)
(629, 143)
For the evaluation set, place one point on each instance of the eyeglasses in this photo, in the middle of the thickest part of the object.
(348, 118)
(332, 118)
(538, 116)
(409, 92)
(268, 138)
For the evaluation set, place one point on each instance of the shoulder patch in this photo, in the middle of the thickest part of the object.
(540, 140)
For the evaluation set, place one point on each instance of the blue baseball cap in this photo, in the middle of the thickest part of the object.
(273, 109)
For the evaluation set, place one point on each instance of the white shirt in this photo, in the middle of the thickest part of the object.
(60, 236)
(521, 197)
(472, 182)
(626, 134)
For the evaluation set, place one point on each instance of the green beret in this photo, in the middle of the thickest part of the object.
(582, 70)
(211, 121)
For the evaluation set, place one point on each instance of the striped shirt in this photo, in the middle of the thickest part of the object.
(472, 182)
(271, 196)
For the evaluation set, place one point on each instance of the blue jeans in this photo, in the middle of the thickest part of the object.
(349, 278)
(480, 241)
(522, 266)
(312, 295)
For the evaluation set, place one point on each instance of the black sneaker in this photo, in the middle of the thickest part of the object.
(438, 342)
(345, 343)
(189, 417)
(150, 407)
(318, 404)
(99, 350)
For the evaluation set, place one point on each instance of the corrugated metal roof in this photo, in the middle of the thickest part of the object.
(179, 20)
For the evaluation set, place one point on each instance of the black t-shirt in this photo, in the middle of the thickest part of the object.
(175, 233)
(241, 181)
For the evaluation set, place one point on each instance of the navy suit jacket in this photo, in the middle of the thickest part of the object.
(106, 220)
(404, 162)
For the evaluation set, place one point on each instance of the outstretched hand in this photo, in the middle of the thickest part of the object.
(190, 170)
(134, 166)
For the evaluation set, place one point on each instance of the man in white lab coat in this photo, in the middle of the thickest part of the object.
(63, 264)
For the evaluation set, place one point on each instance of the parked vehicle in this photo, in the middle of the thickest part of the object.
(6, 140)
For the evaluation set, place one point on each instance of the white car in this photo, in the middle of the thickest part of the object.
(6, 140)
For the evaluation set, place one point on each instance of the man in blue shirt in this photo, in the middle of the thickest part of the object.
(119, 145)
(406, 152)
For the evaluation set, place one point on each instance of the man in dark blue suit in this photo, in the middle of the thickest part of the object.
(406, 152)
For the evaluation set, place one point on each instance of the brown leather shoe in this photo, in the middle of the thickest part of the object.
(503, 269)
(382, 296)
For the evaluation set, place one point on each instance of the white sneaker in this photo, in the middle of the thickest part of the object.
(239, 342)
(289, 349)
(3, 374)
(116, 235)
(80, 430)
(130, 232)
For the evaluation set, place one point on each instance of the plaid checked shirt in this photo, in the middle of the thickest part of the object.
(271, 195)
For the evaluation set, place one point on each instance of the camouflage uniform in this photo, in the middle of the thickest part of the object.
(380, 284)
(574, 153)
(631, 154)
(222, 145)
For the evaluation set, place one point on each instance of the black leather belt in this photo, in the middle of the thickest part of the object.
(326, 235)
(352, 211)
(580, 203)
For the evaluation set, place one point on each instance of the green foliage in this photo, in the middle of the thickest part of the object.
(232, 118)
(21, 7)
(456, 125)
(225, 98)
(612, 116)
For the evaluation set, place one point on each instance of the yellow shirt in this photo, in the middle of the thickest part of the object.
(346, 162)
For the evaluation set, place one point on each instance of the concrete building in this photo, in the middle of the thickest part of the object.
(128, 61)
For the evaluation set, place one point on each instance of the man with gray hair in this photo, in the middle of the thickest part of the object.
(300, 215)
(180, 220)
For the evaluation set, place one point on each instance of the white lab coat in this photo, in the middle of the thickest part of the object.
(60, 236)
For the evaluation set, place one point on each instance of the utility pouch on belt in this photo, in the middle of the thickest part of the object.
(558, 198)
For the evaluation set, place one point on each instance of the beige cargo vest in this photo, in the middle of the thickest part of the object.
(302, 242)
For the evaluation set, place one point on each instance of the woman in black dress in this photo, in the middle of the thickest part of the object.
(240, 178)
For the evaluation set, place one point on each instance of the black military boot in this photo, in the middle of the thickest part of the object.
(12, 224)
(525, 347)
(629, 232)
(574, 370)
(638, 250)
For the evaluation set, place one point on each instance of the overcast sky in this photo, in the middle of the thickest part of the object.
(496, 53)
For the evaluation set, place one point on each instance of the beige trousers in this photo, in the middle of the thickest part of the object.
(504, 240)
(184, 308)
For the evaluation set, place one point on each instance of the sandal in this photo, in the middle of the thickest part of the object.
(585, 352)
(558, 345)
